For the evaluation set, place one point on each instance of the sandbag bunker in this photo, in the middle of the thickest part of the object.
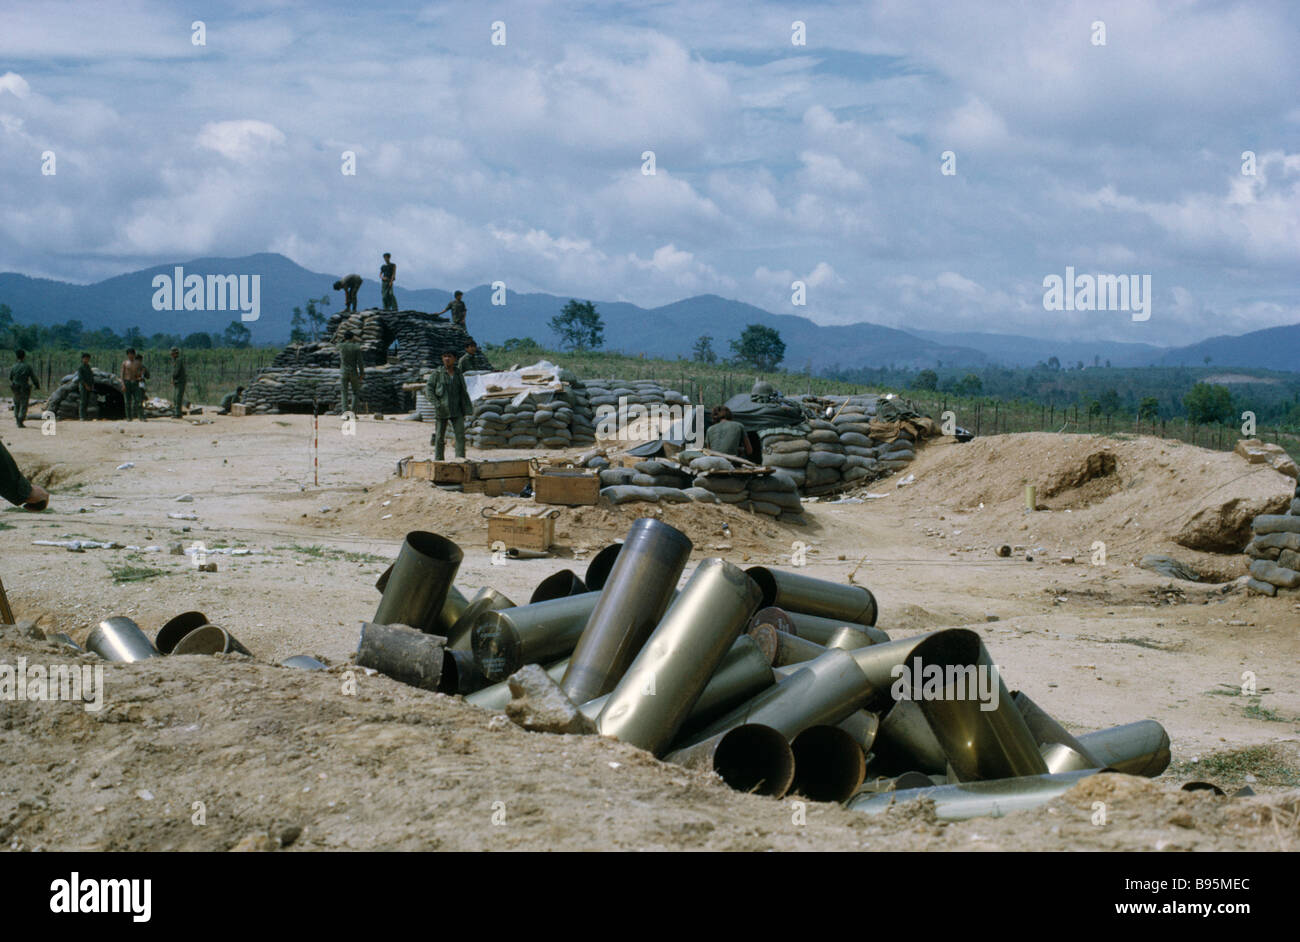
(1274, 550)
(778, 682)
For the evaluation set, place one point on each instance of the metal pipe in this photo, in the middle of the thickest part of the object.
(176, 629)
(497, 696)
(896, 783)
(1046, 730)
(460, 673)
(864, 727)
(515, 552)
(304, 662)
(829, 765)
(485, 600)
(120, 639)
(765, 637)
(823, 692)
(821, 630)
(210, 639)
(1140, 748)
(599, 568)
(557, 586)
(451, 611)
(382, 582)
(796, 592)
(634, 598)
(977, 799)
(655, 695)
(905, 742)
(751, 758)
(847, 637)
(1058, 757)
(402, 653)
(505, 641)
(418, 587)
(792, 650)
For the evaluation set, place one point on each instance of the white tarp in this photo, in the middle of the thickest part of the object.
(542, 376)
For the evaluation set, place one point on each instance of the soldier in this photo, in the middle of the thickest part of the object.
(21, 380)
(178, 382)
(387, 275)
(353, 372)
(229, 399)
(726, 435)
(17, 489)
(457, 308)
(350, 285)
(447, 391)
(131, 379)
(466, 362)
(85, 387)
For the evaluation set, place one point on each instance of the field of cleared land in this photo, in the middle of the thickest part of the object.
(280, 757)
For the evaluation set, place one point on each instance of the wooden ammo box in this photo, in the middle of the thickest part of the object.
(495, 487)
(503, 468)
(532, 529)
(239, 408)
(566, 487)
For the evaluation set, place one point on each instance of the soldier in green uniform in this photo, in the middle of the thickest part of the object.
(387, 275)
(178, 382)
(726, 435)
(17, 489)
(22, 379)
(349, 285)
(85, 387)
(133, 373)
(229, 399)
(457, 308)
(466, 362)
(354, 372)
(447, 391)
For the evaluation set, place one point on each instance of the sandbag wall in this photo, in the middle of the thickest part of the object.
(545, 419)
(1275, 550)
(850, 447)
(710, 479)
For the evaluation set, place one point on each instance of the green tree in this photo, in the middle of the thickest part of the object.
(579, 326)
(1053, 363)
(237, 335)
(315, 316)
(520, 343)
(760, 347)
(197, 341)
(927, 379)
(297, 327)
(1094, 408)
(1149, 409)
(1109, 402)
(704, 352)
(970, 385)
(1207, 403)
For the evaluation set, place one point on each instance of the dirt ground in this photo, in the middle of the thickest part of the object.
(268, 756)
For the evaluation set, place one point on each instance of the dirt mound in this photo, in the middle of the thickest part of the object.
(1225, 528)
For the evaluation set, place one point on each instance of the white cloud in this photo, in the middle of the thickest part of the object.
(15, 84)
(240, 141)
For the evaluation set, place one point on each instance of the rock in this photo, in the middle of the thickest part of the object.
(27, 629)
(538, 704)
(1168, 566)
(254, 842)
(1275, 456)
(289, 834)
(1225, 527)
(1265, 571)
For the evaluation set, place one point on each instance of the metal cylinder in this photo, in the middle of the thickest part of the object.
(900, 782)
(846, 638)
(557, 586)
(120, 639)
(1059, 757)
(505, 641)
(633, 599)
(484, 600)
(451, 611)
(497, 696)
(765, 637)
(823, 692)
(796, 592)
(418, 587)
(1047, 730)
(460, 673)
(751, 758)
(977, 799)
(1140, 748)
(879, 661)
(863, 727)
(792, 650)
(382, 582)
(982, 738)
(176, 629)
(210, 639)
(304, 662)
(655, 695)
(59, 637)
(829, 765)
(821, 630)
(599, 568)
(402, 653)
(905, 742)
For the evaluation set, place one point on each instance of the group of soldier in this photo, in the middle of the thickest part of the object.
(351, 284)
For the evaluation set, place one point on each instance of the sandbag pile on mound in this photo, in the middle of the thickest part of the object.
(646, 393)
(551, 419)
(1275, 550)
(706, 478)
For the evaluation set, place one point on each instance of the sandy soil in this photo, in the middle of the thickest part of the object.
(279, 756)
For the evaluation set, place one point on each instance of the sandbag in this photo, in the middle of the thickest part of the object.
(853, 428)
(672, 495)
(856, 473)
(793, 460)
(701, 494)
(819, 476)
(826, 459)
(738, 498)
(711, 463)
(764, 507)
(786, 447)
(822, 435)
(860, 451)
(855, 438)
(722, 485)
(776, 481)
(611, 477)
(625, 493)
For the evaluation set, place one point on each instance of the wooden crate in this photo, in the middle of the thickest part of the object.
(503, 468)
(570, 488)
(239, 408)
(496, 487)
(452, 472)
(421, 469)
(531, 531)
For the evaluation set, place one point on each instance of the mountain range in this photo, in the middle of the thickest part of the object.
(669, 330)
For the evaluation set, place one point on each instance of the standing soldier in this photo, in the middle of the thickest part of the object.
(178, 382)
(447, 391)
(354, 371)
(85, 387)
(133, 385)
(21, 380)
(457, 308)
(387, 275)
(466, 362)
(349, 285)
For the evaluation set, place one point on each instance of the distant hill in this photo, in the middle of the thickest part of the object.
(667, 331)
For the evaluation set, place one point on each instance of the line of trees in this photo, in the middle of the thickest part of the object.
(73, 334)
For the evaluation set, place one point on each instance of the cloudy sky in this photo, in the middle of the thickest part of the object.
(821, 162)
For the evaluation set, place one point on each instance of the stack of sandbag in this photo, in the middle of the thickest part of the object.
(1275, 550)
(63, 402)
(550, 419)
(296, 389)
(610, 395)
(706, 478)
